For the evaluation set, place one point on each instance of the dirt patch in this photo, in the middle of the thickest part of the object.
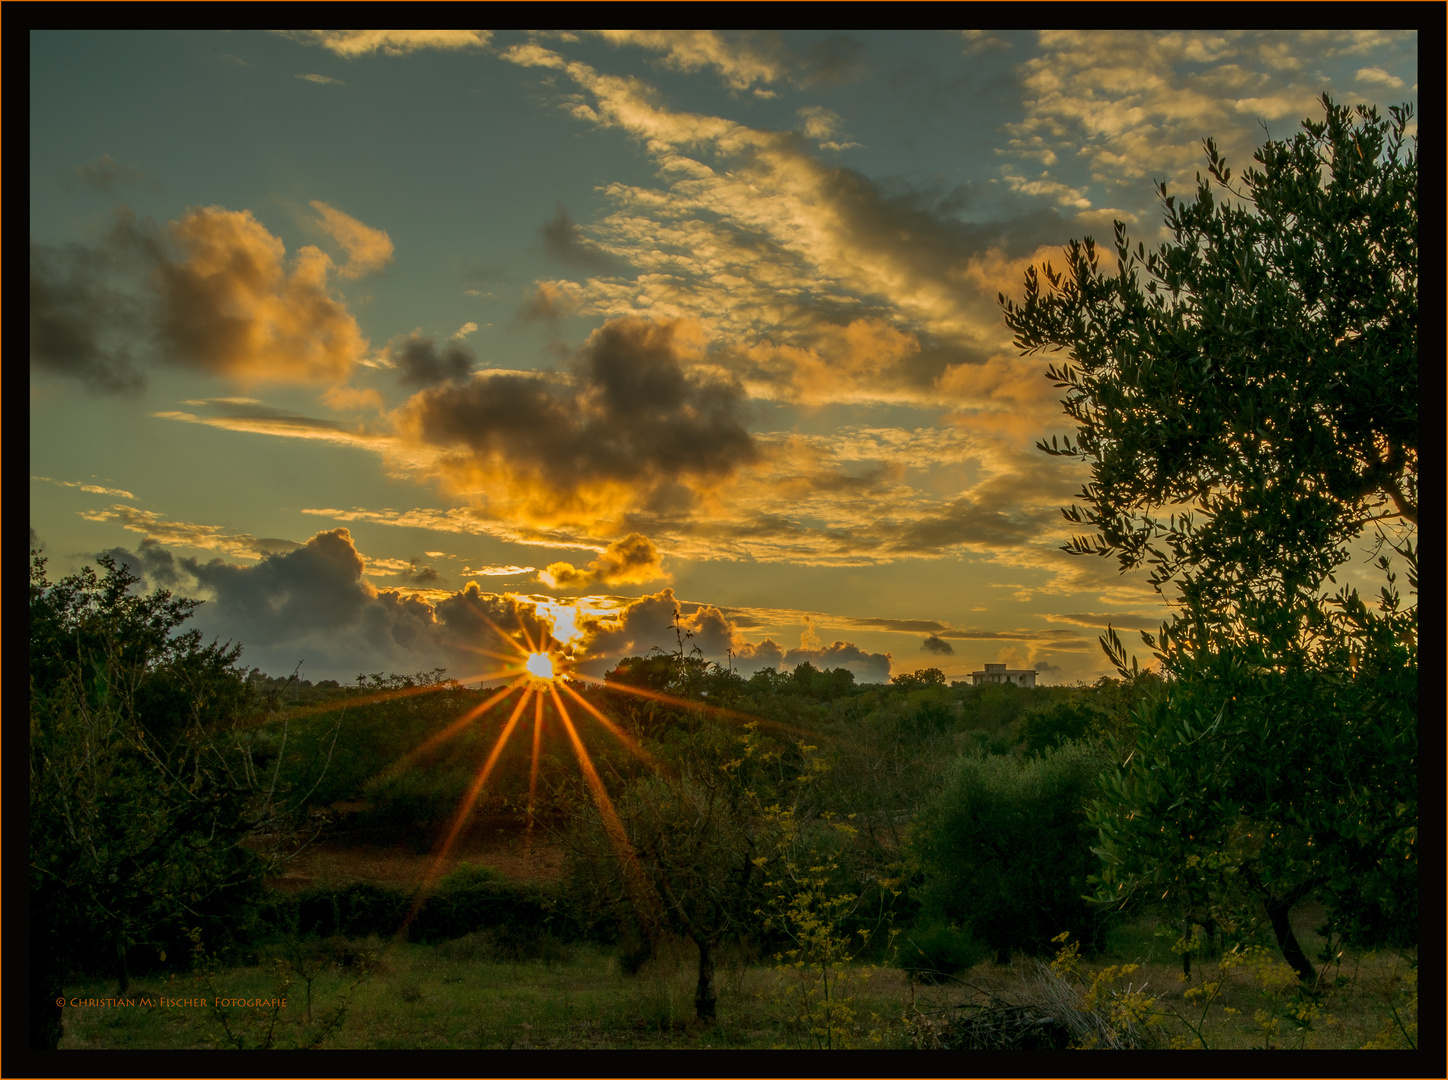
(335, 862)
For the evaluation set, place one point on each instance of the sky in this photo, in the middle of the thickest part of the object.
(379, 341)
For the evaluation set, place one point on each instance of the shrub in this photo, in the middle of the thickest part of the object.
(936, 950)
(1006, 850)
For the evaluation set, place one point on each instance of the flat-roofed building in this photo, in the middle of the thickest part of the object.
(999, 673)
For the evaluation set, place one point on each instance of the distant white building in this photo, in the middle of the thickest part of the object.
(999, 673)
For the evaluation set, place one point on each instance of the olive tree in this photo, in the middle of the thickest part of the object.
(1246, 395)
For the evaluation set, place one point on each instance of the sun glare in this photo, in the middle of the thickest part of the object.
(540, 666)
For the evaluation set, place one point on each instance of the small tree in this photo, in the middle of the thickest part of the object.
(688, 867)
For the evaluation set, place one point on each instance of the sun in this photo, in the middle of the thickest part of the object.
(540, 666)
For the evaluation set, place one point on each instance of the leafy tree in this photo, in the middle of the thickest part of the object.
(1247, 415)
(143, 784)
(1264, 382)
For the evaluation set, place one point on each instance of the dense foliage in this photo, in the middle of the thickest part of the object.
(1006, 849)
(1263, 385)
(143, 784)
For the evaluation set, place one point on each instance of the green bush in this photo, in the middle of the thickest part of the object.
(936, 950)
(1006, 851)
(475, 898)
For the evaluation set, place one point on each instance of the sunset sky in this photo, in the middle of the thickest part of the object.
(368, 337)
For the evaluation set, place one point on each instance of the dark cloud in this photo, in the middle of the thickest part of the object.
(904, 626)
(81, 325)
(151, 562)
(936, 645)
(564, 240)
(422, 363)
(751, 657)
(473, 620)
(632, 417)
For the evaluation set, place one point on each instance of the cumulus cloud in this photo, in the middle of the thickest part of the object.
(868, 667)
(83, 321)
(314, 604)
(630, 561)
(1378, 77)
(354, 43)
(633, 428)
(213, 292)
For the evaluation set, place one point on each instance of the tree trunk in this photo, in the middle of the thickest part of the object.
(1287, 942)
(705, 999)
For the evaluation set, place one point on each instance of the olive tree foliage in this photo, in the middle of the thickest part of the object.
(1260, 386)
(147, 774)
(1247, 397)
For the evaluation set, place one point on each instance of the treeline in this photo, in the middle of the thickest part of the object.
(923, 823)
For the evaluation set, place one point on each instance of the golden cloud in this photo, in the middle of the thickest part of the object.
(230, 305)
(368, 249)
(631, 560)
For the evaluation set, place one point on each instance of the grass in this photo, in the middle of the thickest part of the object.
(462, 994)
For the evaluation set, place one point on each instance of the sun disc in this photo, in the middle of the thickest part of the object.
(540, 666)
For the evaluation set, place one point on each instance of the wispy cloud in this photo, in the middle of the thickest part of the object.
(368, 249)
(355, 43)
(93, 489)
(188, 534)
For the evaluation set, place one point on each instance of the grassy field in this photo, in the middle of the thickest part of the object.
(461, 994)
